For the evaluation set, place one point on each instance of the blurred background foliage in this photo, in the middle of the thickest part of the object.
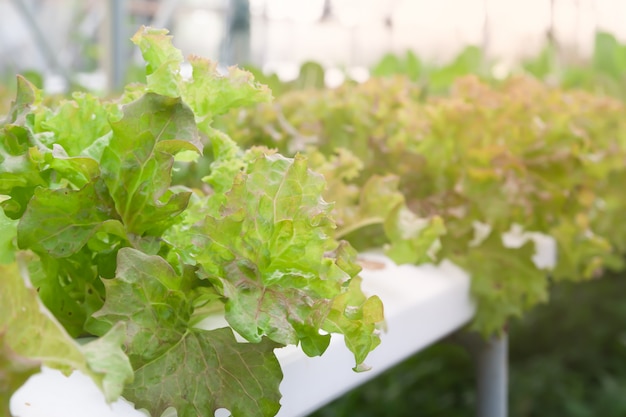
(604, 73)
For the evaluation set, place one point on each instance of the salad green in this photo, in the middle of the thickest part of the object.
(114, 250)
(484, 161)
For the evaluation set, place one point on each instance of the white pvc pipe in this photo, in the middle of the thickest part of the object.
(492, 377)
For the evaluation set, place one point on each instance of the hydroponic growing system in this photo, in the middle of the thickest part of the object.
(194, 245)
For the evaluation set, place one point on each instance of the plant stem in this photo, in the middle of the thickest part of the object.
(363, 223)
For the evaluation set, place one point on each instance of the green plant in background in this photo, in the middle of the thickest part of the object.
(433, 79)
(410, 66)
(113, 250)
(489, 161)
(310, 76)
(603, 74)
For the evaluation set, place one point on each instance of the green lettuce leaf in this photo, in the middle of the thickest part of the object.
(137, 164)
(590, 253)
(376, 207)
(208, 370)
(194, 370)
(356, 317)
(76, 171)
(30, 337)
(108, 364)
(27, 97)
(15, 370)
(207, 92)
(69, 287)
(413, 239)
(79, 122)
(8, 234)
(19, 174)
(30, 330)
(146, 293)
(61, 222)
(162, 60)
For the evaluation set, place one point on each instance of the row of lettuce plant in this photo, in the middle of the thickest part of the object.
(484, 161)
(603, 72)
(97, 243)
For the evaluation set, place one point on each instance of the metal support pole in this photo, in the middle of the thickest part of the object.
(164, 13)
(117, 38)
(40, 40)
(492, 377)
(236, 42)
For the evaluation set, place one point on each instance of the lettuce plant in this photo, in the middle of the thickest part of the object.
(490, 161)
(96, 243)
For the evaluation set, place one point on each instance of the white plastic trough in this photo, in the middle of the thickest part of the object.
(422, 305)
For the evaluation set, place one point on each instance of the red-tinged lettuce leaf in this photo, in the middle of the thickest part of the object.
(359, 209)
(60, 222)
(207, 92)
(194, 370)
(162, 60)
(548, 159)
(137, 164)
(210, 94)
(147, 294)
(27, 97)
(266, 252)
(270, 252)
(356, 317)
(31, 336)
(208, 370)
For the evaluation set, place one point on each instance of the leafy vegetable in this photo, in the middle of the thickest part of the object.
(201, 370)
(30, 337)
(118, 252)
(520, 155)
